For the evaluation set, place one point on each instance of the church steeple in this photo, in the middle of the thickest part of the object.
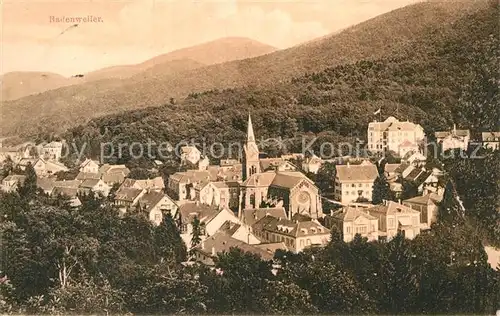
(251, 162)
(250, 135)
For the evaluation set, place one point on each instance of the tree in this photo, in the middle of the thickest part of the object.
(29, 188)
(333, 290)
(241, 283)
(451, 210)
(325, 177)
(197, 233)
(398, 277)
(286, 298)
(381, 190)
(7, 168)
(171, 246)
(336, 235)
(410, 190)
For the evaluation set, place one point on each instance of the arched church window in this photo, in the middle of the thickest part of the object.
(252, 199)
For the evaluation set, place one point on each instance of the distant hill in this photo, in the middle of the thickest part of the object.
(214, 52)
(417, 30)
(16, 85)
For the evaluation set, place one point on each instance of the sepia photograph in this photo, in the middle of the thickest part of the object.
(250, 157)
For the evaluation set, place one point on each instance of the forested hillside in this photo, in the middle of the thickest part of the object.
(450, 76)
(415, 34)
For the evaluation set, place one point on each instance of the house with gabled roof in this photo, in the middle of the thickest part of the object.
(87, 175)
(155, 184)
(96, 186)
(312, 164)
(240, 232)
(128, 197)
(352, 220)
(45, 168)
(253, 215)
(393, 217)
(278, 164)
(12, 182)
(156, 204)
(454, 139)
(353, 182)
(295, 235)
(221, 242)
(89, 166)
(46, 184)
(211, 217)
(427, 206)
(112, 174)
(415, 158)
(190, 154)
(407, 147)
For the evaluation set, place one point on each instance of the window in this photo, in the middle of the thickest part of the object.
(360, 185)
(367, 185)
(346, 192)
(353, 192)
(184, 228)
(157, 217)
(391, 222)
(308, 242)
(302, 243)
(348, 229)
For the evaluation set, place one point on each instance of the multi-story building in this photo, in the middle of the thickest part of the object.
(491, 140)
(12, 182)
(89, 166)
(393, 135)
(427, 206)
(190, 154)
(454, 139)
(354, 182)
(352, 221)
(212, 219)
(394, 217)
(52, 151)
(296, 235)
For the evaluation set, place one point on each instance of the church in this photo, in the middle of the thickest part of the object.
(292, 190)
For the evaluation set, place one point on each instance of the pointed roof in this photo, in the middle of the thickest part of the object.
(250, 134)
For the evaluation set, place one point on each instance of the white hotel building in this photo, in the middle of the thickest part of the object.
(393, 135)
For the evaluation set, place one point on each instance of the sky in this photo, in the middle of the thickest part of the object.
(130, 31)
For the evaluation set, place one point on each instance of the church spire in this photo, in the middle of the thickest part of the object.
(250, 135)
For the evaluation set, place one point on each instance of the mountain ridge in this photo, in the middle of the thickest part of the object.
(18, 84)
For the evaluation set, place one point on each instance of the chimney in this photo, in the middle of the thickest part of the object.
(348, 165)
(202, 244)
(213, 251)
